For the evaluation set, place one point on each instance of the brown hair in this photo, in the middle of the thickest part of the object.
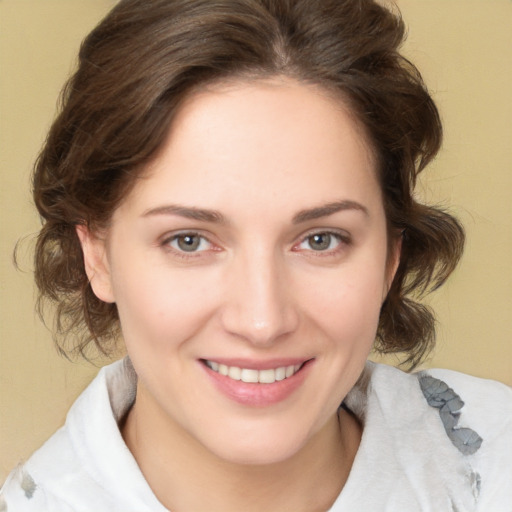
(135, 69)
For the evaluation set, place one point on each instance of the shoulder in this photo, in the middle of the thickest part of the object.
(66, 472)
(484, 422)
(436, 429)
(483, 405)
(487, 404)
(53, 478)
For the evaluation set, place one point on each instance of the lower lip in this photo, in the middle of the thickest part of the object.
(258, 395)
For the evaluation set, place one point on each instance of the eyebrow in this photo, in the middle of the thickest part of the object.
(188, 212)
(328, 209)
(214, 216)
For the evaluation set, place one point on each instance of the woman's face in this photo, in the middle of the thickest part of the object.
(255, 245)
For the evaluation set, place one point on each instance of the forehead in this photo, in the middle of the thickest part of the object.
(255, 107)
(267, 136)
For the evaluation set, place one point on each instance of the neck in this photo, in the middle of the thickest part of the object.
(185, 476)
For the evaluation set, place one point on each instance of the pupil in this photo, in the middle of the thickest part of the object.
(320, 242)
(188, 242)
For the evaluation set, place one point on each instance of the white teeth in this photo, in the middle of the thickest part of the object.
(249, 375)
(281, 373)
(235, 373)
(268, 376)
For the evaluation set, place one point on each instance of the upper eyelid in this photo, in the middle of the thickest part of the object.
(166, 242)
(327, 231)
(183, 232)
(344, 238)
(341, 233)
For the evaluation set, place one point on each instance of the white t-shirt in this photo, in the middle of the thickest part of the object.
(433, 441)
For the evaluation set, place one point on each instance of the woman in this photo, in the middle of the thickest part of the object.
(229, 186)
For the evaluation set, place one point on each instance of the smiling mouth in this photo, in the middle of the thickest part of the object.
(250, 375)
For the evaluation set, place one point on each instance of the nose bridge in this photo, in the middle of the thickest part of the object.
(260, 307)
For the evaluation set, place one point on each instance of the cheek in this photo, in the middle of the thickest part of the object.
(159, 308)
(347, 306)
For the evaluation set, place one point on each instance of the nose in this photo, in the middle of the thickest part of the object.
(259, 306)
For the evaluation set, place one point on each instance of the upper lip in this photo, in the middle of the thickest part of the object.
(254, 364)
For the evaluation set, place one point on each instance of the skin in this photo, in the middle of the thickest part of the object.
(257, 287)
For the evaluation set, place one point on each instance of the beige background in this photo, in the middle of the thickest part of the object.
(464, 48)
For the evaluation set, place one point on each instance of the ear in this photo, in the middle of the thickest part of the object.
(393, 261)
(96, 263)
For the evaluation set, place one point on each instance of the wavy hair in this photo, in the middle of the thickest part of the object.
(139, 64)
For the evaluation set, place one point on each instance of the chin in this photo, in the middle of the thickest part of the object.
(257, 455)
(261, 446)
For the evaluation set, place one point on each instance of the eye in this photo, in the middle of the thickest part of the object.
(189, 242)
(322, 242)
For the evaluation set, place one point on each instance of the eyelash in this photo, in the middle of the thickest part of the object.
(342, 239)
(167, 244)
